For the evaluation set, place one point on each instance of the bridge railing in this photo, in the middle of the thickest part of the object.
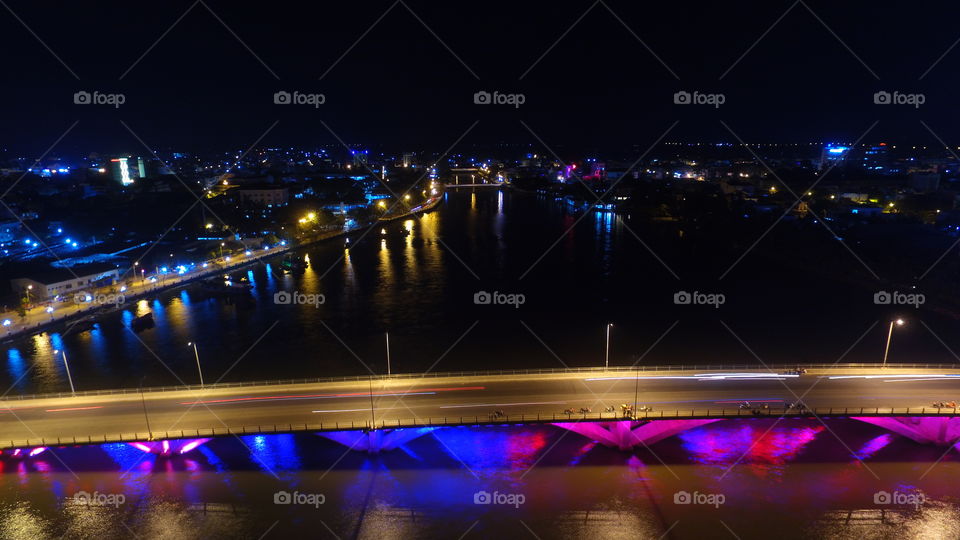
(771, 368)
(477, 420)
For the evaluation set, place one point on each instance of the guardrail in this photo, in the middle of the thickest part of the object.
(770, 368)
(538, 418)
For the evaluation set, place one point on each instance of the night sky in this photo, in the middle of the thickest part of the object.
(208, 82)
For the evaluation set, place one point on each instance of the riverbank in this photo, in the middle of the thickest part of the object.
(43, 320)
(39, 320)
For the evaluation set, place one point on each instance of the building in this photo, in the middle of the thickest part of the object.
(269, 196)
(360, 157)
(124, 171)
(9, 230)
(833, 154)
(876, 158)
(65, 281)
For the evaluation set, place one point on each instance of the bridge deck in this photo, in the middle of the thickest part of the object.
(406, 401)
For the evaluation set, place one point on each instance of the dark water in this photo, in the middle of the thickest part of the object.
(421, 289)
(798, 478)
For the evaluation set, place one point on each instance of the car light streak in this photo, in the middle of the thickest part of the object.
(75, 409)
(425, 391)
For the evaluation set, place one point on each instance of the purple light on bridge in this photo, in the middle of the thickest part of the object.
(761, 450)
(169, 447)
(20, 453)
(493, 447)
(873, 446)
(924, 430)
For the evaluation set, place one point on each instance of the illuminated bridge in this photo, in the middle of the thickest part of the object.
(381, 413)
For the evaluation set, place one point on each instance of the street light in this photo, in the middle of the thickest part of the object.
(886, 351)
(145, 415)
(197, 355)
(387, 335)
(606, 361)
(67, 366)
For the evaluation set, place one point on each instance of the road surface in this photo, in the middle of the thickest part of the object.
(445, 399)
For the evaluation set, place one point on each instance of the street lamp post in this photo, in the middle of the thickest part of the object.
(606, 360)
(67, 366)
(197, 355)
(145, 415)
(387, 335)
(886, 350)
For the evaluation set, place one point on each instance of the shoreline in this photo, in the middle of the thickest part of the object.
(26, 331)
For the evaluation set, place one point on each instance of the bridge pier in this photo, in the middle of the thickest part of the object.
(627, 434)
(168, 447)
(924, 430)
(377, 440)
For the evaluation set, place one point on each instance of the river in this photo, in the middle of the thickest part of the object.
(576, 273)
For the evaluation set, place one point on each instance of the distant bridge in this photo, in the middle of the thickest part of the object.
(500, 184)
(383, 412)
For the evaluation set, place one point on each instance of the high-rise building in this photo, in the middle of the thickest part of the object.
(876, 158)
(121, 172)
(833, 154)
(360, 157)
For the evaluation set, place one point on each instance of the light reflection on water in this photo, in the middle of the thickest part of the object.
(794, 477)
(760, 451)
(420, 286)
